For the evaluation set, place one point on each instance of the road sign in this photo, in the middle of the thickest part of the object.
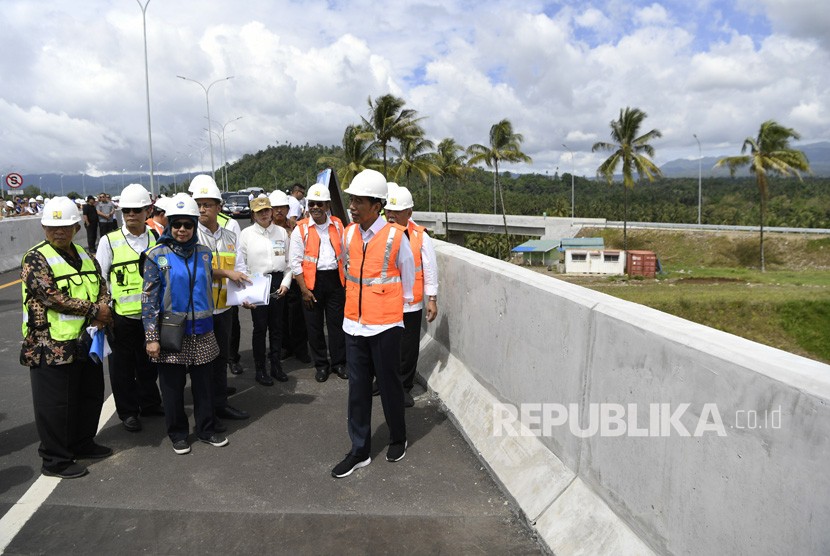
(14, 180)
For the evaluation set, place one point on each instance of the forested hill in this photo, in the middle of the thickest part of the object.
(725, 200)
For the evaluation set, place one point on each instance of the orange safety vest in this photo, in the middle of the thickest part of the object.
(374, 291)
(151, 222)
(416, 240)
(311, 240)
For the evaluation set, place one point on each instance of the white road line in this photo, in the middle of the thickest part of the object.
(32, 499)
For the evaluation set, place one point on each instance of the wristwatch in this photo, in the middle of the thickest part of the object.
(433, 298)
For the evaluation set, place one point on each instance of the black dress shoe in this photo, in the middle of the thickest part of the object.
(278, 373)
(71, 471)
(408, 400)
(132, 423)
(322, 375)
(230, 390)
(230, 412)
(263, 378)
(342, 372)
(236, 368)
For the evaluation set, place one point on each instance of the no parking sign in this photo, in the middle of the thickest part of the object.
(14, 180)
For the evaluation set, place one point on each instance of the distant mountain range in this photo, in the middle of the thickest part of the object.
(817, 153)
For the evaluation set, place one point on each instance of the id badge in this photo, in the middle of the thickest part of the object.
(279, 247)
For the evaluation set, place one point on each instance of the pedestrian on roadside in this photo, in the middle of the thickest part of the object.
(90, 213)
(64, 292)
(106, 215)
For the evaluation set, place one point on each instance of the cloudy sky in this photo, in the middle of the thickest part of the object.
(72, 93)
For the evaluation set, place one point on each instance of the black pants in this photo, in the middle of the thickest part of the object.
(67, 402)
(172, 379)
(236, 334)
(294, 337)
(331, 297)
(222, 323)
(410, 344)
(91, 236)
(132, 376)
(378, 356)
(106, 227)
(267, 319)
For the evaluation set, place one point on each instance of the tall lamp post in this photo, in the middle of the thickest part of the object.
(699, 178)
(61, 185)
(207, 102)
(147, 88)
(572, 178)
(224, 158)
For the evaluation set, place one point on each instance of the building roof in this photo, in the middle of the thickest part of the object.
(581, 243)
(536, 246)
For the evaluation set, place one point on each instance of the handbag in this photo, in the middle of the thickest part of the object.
(172, 332)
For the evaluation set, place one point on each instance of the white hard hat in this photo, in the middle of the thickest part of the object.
(60, 211)
(200, 181)
(318, 192)
(161, 203)
(368, 183)
(39, 197)
(278, 199)
(135, 196)
(182, 204)
(399, 199)
(9, 204)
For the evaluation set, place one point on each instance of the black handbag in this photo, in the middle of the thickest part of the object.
(172, 332)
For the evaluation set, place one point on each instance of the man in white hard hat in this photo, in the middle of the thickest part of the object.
(317, 255)
(296, 203)
(399, 211)
(222, 242)
(380, 274)
(63, 294)
(132, 376)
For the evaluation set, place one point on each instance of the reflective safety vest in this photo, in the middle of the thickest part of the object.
(311, 241)
(223, 219)
(80, 284)
(154, 224)
(374, 291)
(177, 275)
(416, 240)
(126, 282)
(224, 258)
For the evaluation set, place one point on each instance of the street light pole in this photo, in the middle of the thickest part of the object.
(147, 88)
(573, 169)
(207, 102)
(224, 158)
(61, 185)
(699, 178)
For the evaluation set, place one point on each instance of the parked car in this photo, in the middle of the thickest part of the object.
(236, 206)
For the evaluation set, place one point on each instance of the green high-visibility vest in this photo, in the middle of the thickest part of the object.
(223, 219)
(125, 279)
(80, 284)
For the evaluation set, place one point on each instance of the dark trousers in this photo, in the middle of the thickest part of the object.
(377, 356)
(132, 376)
(410, 344)
(222, 323)
(67, 401)
(172, 379)
(106, 227)
(294, 337)
(267, 319)
(236, 334)
(91, 236)
(331, 297)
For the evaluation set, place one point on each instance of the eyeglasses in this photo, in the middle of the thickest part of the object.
(312, 204)
(127, 210)
(186, 224)
(207, 205)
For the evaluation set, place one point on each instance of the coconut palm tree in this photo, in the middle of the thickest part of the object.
(356, 155)
(415, 157)
(505, 145)
(388, 120)
(452, 163)
(631, 152)
(769, 154)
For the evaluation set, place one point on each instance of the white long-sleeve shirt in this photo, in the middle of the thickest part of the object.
(327, 258)
(429, 264)
(405, 263)
(262, 251)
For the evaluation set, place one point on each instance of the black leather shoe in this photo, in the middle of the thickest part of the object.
(322, 375)
(230, 412)
(72, 471)
(263, 378)
(219, 426)
(230, 390)
(132, 423)
(278, 373)
(408, 400)
(342, 372)
(236, 368)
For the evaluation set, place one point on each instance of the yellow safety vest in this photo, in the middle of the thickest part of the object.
(125, 278)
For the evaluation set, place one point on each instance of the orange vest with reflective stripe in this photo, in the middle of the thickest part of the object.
(374, 291)
(311, 241)
(416, 240)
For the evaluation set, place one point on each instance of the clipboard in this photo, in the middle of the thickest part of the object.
(257, 293)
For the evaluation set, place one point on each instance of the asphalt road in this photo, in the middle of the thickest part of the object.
(269, 491)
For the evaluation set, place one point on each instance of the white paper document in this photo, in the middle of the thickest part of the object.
(257, 293)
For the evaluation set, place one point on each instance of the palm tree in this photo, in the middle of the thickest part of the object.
(504, 145)
(415, 157)
(451, 162)
(630, 151)
(389, 120)
(769, 154)
(356, 155)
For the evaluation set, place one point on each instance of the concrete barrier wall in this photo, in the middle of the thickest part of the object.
(18, 235)
(509, 335)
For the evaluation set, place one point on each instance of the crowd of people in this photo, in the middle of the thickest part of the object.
(22, 206)
(348, 300)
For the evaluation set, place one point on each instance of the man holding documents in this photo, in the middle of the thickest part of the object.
(263, 249)
(222, 242)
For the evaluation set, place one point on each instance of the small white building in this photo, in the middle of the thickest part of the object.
(595, 261)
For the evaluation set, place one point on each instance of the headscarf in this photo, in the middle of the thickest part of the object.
(182, 249)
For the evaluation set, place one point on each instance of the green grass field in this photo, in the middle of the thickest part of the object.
(710, 278)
